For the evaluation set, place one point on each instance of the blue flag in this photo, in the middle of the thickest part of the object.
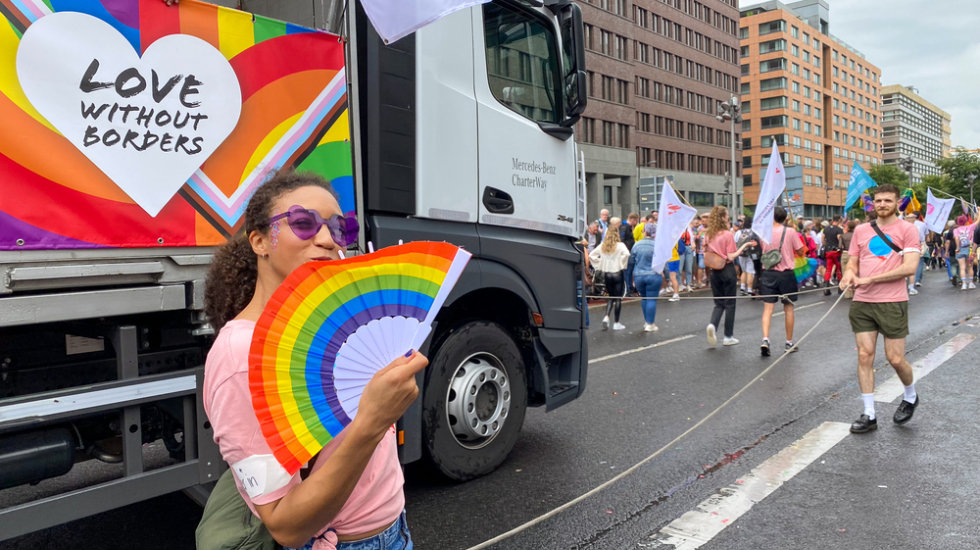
(860, 182)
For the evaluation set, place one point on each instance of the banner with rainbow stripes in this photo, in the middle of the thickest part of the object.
(294, 113)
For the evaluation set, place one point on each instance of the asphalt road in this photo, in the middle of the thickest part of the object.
(899, 487)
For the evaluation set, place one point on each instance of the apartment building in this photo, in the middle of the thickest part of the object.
(913, 128)
(657, 70)
(812, 93)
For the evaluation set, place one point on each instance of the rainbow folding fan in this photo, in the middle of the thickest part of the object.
(329, 327)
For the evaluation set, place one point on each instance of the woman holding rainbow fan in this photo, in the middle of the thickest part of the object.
(351, 493)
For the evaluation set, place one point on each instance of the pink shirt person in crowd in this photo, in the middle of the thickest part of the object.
(791, 244)
(882, 254)
(876, 257)
(354, 489)
(723, 244)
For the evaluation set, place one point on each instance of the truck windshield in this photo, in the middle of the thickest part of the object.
(522, 61)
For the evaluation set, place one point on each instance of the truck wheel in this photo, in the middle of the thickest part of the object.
(474, 401)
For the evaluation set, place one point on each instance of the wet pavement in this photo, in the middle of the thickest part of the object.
(898, 487)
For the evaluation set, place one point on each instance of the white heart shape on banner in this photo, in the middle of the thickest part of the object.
(148, 123)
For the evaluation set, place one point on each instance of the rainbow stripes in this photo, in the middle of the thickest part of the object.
(309, 318)
(294, 113)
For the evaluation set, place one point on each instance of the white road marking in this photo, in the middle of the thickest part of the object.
(797, 308)
(893, 388)
(644, 348)
(720, 510)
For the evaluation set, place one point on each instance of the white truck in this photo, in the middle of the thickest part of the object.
(460, 132)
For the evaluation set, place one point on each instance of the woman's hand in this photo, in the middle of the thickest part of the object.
(390, 391)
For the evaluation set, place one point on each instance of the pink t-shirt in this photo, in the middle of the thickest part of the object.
(377, 500)
(723, 244)
(876, 257)
(791, 244)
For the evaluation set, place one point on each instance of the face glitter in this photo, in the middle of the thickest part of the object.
(275, 234)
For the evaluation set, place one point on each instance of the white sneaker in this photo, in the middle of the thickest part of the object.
(971, 286)
(605, 323)
(963, 287)
(918, 284)
(912, 291)
(674, 298)
(651, 328)
(730, 341)
(712, 337)
(619, 326)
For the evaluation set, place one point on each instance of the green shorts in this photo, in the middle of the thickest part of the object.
(891, 319)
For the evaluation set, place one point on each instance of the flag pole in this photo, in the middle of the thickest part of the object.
(683, 198)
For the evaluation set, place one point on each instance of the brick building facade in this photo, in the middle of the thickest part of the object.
(812, 93)
(657, 70)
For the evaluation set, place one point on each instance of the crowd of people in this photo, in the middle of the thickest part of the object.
(877, 263)
(619, 256)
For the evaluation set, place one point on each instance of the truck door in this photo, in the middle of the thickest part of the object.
(526, 175)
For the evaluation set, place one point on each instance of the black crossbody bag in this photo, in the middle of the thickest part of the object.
(881, 234)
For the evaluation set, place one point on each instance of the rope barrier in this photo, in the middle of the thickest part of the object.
(659, 452)
(780, 296)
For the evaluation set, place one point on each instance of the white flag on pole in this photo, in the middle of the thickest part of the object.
(937, 212)
(772, 188)
(675, 217)
(395, 19)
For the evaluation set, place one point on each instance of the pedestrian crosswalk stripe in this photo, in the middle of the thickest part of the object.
(697, 527)
(893, 388)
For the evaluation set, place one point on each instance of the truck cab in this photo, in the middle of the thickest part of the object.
(460, 132)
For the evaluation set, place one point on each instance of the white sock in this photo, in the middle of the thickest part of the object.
(789, 342)
(869, 404)
(910, 393)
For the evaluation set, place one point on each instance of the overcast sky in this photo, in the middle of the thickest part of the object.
(933, 45)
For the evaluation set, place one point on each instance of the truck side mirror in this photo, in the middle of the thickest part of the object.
(573, 55)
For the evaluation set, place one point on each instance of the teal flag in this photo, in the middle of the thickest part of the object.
(860, 182)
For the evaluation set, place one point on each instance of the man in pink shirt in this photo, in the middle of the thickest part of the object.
(882, 254)
(780, 279)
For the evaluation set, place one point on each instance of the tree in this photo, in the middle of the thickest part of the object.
(886, 173)
(960, 164)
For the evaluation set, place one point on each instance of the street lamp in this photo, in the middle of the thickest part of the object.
(906, 165)
(730, 110)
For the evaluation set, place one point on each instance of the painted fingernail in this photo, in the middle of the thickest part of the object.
(410, 352)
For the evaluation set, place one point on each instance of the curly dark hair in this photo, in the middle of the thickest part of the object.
(233, 274)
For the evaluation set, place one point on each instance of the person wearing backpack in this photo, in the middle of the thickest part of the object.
(777, 277)
(963, 237)
(749, 256)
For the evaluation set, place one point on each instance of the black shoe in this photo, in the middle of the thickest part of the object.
(905, 411)
(765, 348)
(790, 348)
(864, 425)
(826, 292)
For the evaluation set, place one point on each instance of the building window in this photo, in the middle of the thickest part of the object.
(745, 70)
(795, 32)
(796, 69)
(795, 50)
(776, 103)
(746, 106)
(774, 122)
(746, 180)
(778, 45)
(743, 33)
(746, 88)
(772, 65)
(607, 195)
(745, 51)
(772, 26)
(796, 106)
(771, 84)
(701, 199)
(746, 125)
